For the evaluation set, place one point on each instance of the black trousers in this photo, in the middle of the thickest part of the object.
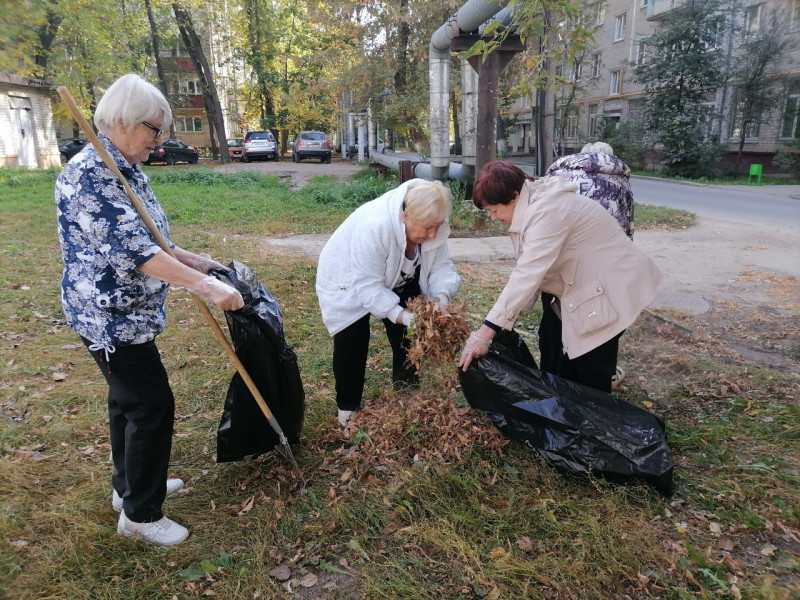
(141, 415)
(595, 368)
(351, 346)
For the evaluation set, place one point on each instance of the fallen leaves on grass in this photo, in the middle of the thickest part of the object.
(438, 336)
(400, 431)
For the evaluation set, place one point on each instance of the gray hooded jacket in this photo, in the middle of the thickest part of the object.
(602, 177)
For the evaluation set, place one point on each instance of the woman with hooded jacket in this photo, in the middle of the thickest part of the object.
(387, 251)
(604, 178)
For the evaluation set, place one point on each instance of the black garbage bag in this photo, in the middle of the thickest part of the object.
(257, 335)
(576, 428)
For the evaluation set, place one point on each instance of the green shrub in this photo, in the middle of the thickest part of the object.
(203, 176)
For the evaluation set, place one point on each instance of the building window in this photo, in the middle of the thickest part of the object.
(189, 86)
(615, 84)
(593, 119)
(716, 30)
(558, 70)
(577, 71)
(791, 118)
(753, 16)
(572, 125)
(643, 4)
(636, 111)
(641, 50)
(599, 13)
(751, 126)
(190, 124)
(176, 51)
(619, 28)
(596, 65)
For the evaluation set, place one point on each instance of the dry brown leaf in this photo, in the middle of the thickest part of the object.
(309, 580)
(525, 543)
(725, 543)
(499, 553)
(247, 505)
(281, 573)
(768, 550)
(437, 337)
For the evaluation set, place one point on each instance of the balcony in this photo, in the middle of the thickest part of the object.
(658, 8)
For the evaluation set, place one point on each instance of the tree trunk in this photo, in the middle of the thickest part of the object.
(456, 123)
(47, 35)
(162, 78)
(213, 107)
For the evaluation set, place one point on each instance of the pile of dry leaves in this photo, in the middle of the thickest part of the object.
(438, 336)
(402, 430)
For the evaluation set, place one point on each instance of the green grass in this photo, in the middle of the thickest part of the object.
(492, 523)
(725, 180)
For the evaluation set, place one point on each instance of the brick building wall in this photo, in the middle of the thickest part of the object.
(25, 105)
(605, 87)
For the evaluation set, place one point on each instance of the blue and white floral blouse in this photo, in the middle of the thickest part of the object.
(103, 239)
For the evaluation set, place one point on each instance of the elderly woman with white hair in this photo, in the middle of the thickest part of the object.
(387, 251)
(113, 293)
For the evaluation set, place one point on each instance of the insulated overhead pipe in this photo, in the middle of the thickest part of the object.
(468, 18)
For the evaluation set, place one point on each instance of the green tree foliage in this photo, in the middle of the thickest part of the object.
(682, 68)
(755, 92)
(391, 74)
(290, 48)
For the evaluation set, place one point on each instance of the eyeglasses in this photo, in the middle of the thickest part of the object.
(154, 129)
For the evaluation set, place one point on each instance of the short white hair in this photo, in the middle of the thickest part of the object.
(131, 100)
(427, 201)
(598, 147)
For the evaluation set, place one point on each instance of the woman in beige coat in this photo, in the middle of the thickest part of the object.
(569, 246)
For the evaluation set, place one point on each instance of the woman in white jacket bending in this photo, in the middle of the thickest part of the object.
(387, 251)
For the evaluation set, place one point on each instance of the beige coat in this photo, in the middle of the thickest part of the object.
(569, 246)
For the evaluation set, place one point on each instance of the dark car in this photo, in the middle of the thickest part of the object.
(311, 144)
(172, 151)
(258, 144)
(235, 148)
(70, 148)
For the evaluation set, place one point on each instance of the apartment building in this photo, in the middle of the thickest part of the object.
(183, 83)
(603, 89)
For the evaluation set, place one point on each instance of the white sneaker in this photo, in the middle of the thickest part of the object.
(164, 532)
(344, 416)
(173, 486)
(617, 378)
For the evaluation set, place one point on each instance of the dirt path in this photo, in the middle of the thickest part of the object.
(295, 174)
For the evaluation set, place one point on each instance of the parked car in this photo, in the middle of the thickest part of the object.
(311, 144)
(258, 144)
(235, 148)
(172, 151)
(70, 148)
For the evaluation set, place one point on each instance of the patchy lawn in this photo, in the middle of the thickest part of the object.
(420, 497)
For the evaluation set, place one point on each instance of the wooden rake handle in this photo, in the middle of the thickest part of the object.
(162, 242)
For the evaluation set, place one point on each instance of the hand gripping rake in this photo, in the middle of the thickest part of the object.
(283, 447)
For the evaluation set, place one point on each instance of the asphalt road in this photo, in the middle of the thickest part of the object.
(771, 206)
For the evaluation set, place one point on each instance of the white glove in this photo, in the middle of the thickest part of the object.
(407, 318)
(475, 347)
(204, 263)
(221, 294)
(443, 301)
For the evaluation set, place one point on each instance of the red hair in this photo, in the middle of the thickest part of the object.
(497, 183)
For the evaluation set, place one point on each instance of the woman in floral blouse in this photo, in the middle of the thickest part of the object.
(113, 291)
